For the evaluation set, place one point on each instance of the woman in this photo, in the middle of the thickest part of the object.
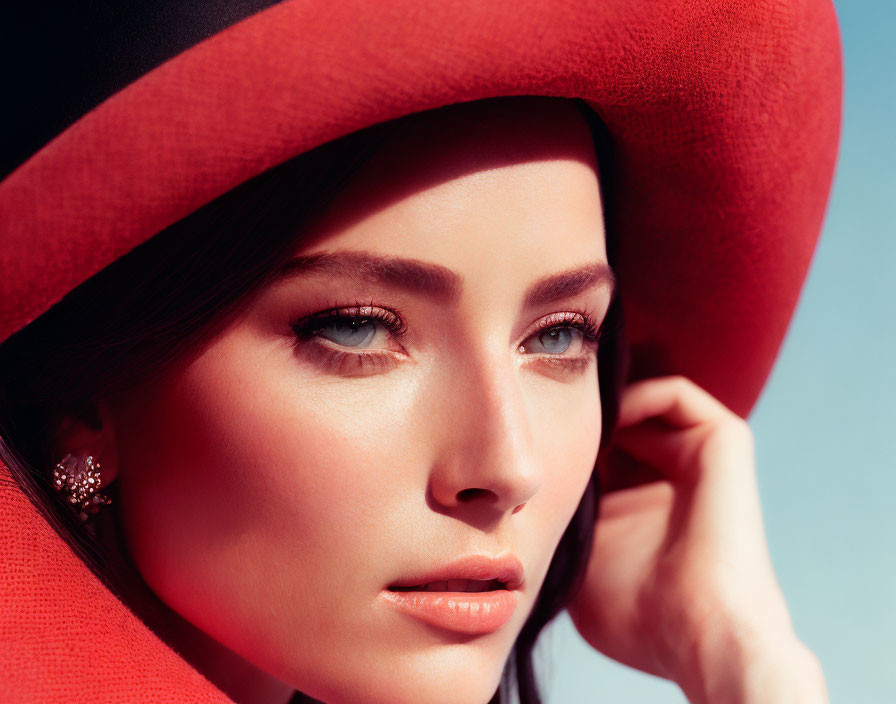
(256, 458)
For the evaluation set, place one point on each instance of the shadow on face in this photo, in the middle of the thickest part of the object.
(465, 140)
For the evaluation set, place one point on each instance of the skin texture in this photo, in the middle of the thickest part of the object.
(267, 496)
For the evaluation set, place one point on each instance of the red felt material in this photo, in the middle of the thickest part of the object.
(64, 637)
(725, 117)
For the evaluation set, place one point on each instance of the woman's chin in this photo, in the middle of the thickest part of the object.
(464, 676)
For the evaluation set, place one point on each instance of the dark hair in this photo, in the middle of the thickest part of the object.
(163, 299)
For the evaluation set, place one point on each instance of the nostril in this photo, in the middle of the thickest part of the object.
(470, 494)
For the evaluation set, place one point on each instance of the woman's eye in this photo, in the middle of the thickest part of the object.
(350, 332)
(564, 335)
(554, 340)
(558, 340)
(354, 327)
(353, 340)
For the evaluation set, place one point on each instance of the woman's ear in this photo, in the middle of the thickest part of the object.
(91, 432)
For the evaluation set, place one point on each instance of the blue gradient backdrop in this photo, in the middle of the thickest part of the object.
(824, 426)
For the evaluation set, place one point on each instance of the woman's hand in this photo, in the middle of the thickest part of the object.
(680, 583)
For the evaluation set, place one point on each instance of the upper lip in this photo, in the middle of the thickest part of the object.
(505, 568)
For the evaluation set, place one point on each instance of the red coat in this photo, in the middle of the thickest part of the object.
(64, 637)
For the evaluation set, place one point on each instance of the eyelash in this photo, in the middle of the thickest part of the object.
(306, 330)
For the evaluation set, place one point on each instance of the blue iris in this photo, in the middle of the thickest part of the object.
(350, 333)
(556, 340)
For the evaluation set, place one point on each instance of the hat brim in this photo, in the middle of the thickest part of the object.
(725, 121)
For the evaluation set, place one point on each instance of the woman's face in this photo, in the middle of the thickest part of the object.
(275, 485)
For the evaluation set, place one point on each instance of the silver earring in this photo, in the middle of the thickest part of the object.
(80, 482)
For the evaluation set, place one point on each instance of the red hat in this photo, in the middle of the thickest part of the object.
(725, 121)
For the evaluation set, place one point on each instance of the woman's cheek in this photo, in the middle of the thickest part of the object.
(261, 488)
(566, 423)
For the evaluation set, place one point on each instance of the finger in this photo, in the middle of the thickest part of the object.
(684, 454)
(720, 507)
(672, 451)
(676, 400)
(618, 470)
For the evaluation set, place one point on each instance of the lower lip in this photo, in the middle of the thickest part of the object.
(473, 613)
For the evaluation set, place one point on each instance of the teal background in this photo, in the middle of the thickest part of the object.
(824, 425)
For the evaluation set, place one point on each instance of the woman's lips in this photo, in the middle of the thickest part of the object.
(505, 568)
(472, 613)
(473, 594)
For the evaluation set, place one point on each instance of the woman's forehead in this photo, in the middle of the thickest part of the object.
(493, 173)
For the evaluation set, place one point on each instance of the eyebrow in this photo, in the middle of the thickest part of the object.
(439, 282)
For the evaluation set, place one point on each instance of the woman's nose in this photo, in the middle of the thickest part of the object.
(487, 461)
